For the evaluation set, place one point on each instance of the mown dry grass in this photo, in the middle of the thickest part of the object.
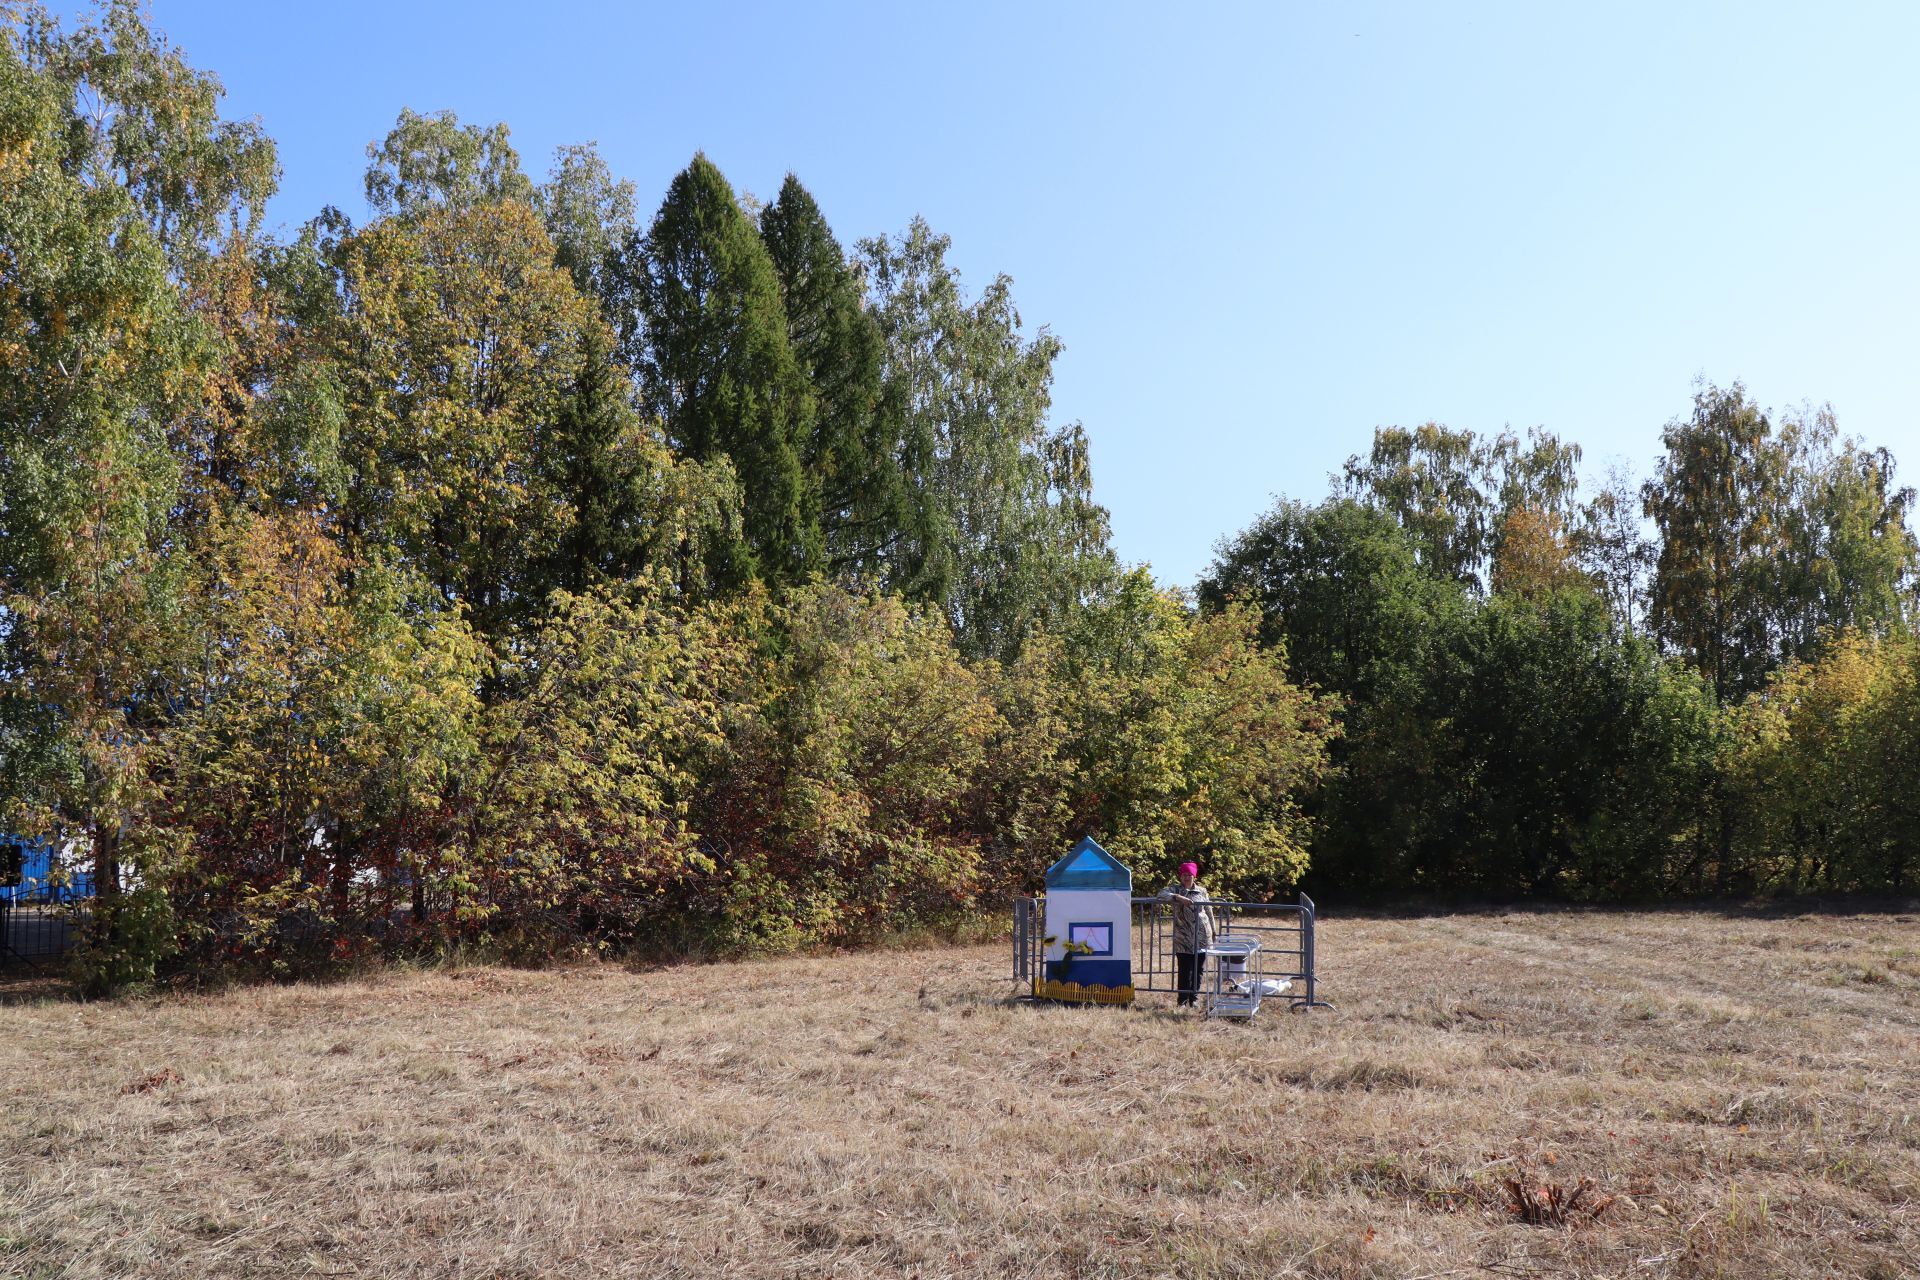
(1746, 1090)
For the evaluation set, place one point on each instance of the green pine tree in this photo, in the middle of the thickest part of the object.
(718, 368)
(601, 464)
(852, 454)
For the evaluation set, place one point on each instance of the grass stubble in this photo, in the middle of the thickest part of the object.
(1742, 1095)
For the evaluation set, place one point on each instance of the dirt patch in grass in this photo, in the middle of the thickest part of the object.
(1736, 1111)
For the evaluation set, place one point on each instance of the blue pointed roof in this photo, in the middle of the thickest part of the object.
(1089, 866)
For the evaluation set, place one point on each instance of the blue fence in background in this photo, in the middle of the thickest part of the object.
(39, 891)
(44, 878)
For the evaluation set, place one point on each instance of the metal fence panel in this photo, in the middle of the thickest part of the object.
(1022, 938)
(1285, 931)
(34, 934)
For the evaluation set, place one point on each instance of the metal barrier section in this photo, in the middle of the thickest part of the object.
(34, 934)
(1285, 931)
(43, 892)
(1026, 936)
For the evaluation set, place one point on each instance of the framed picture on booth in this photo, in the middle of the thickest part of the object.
(1097, 935)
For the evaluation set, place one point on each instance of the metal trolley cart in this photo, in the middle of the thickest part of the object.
(1238, 986)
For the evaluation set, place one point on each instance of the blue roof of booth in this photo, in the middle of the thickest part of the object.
(1089, 867)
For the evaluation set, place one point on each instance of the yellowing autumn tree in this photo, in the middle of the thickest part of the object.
(1532, 557)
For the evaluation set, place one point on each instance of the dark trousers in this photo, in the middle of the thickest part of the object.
(1192, 965)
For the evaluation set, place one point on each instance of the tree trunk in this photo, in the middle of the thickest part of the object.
(343, 859)
(106, 860)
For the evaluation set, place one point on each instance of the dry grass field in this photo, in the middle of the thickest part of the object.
(1739, 1095)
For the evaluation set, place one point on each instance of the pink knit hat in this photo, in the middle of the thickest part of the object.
(1189, 868)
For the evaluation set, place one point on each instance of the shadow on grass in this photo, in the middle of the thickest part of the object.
(1152, 1008)
(22, 985)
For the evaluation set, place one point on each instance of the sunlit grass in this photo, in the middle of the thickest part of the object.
(1739, 1101)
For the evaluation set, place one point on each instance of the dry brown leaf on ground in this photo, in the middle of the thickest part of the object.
(158, 1080)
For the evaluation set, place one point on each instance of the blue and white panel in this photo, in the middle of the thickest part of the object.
(1103, 919)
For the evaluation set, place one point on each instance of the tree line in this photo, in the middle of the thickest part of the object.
(1702, 684)
(515, 569)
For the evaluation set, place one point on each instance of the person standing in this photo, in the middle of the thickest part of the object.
(1192, 929)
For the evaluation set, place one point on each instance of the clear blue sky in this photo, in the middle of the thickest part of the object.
(1261, 230)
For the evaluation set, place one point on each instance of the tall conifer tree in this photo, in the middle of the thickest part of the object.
(852, 452)
(718, 368)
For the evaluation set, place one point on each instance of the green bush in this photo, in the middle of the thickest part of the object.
(124, 942)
